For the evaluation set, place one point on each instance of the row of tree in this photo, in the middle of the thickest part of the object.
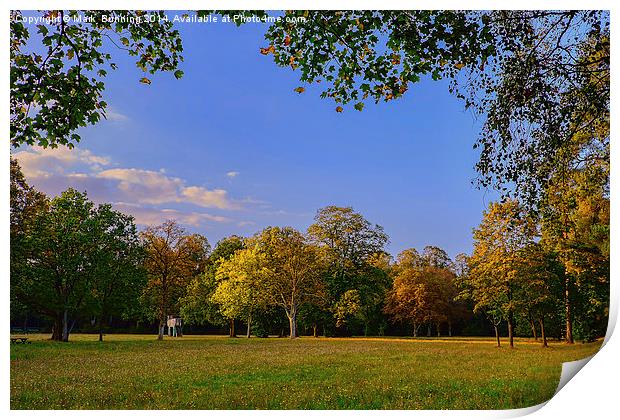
(521, 270)
(72, 261)
(539, 80)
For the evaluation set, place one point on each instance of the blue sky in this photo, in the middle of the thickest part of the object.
(230, 149)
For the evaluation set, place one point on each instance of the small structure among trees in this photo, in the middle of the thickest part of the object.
(175, 326)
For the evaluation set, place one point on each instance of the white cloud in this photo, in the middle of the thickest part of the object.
(152, 187)
(54, 170)
(232, 174)
(113, 115)
(145, 186)
(152, 216)
(38, 161)
(208, 198)
(134, 184)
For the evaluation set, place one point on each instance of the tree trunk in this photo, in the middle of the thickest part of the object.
(160, 333)
(247, 335)
(569, 314)
(72, 325)
(438, 330)
(231, 329)
(415, 329)
(542, 331)
(449, 329)
(314, 334)
(497, 336)
(65, 325)
(100, 328)
(533, 329)
(57, 328)
(292, 319)
(510, 331)
(428, 330)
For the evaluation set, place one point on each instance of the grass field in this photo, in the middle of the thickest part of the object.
(206, 372)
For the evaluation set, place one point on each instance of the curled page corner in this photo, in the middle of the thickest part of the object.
(521, 412)
(570, 369)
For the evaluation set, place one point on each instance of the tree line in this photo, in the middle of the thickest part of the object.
(539, 80)
(74, 261)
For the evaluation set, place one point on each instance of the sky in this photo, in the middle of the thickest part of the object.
(230, 149)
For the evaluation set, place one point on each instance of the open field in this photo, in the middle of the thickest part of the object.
(207, 372)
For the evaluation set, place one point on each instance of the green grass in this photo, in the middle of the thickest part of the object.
(206, 372)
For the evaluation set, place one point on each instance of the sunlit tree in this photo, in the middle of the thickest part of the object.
(294, 270)
(493, 282)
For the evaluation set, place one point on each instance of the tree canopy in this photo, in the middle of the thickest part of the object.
(57, 84)
(74, 259)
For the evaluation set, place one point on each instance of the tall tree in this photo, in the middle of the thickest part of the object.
(67, 257)
(492, 281)
(60, 261)
(575, 205)
(407, 301)
(293, 270)
(25, 204)
(241, 292)
(542, 286)
(575, 225)
(423, 291)
(173, 258)
(119, 275)
(373, 292)
(197, 306)
(348, 242)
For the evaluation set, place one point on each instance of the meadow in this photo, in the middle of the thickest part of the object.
(207, 372)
